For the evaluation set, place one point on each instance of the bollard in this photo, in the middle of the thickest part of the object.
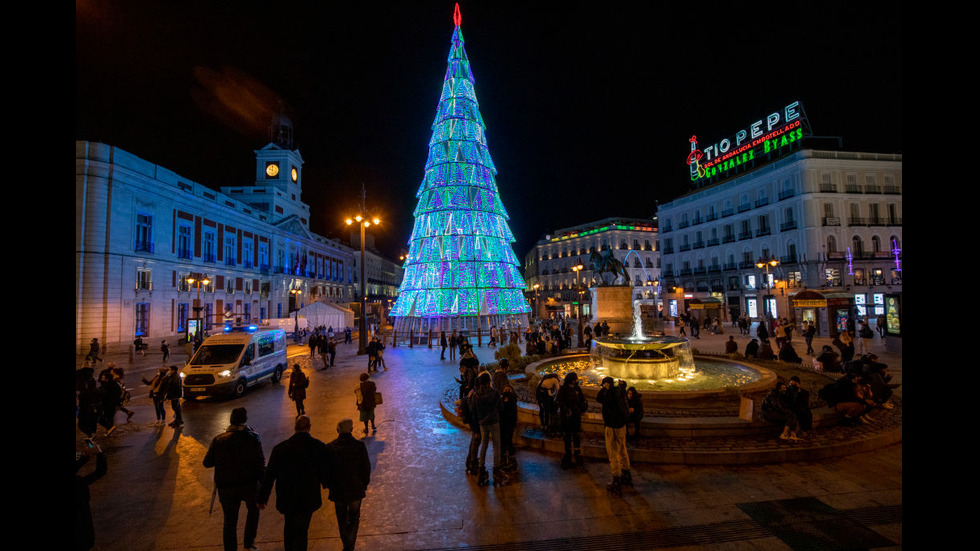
(479, 336)
(132, 353)
(394, 338)
(411, 338)
(430, 338)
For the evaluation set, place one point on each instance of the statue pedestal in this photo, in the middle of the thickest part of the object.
(614, 305)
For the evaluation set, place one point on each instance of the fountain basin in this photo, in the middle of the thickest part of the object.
(716, 380)
(641, 357)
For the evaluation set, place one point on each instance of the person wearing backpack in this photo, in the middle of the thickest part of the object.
(615, 414)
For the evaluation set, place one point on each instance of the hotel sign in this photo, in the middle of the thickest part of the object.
(759, 142)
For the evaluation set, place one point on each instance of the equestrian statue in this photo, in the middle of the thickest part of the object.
(606, 262)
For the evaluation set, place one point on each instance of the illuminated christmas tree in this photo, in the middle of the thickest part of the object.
(460, 272)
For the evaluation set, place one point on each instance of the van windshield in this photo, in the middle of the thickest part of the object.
(217, 354)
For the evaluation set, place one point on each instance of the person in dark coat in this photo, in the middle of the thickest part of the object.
(571, 406)
(298, 382)
(615, 417)
(111, 396)
(297, 468)
(349, 470)
(485, 406)
(174, 389)
(89, 407)
(239, 464)
(444, 343)
(752, 349)
(508, 423)
(84, 528)
(366, 401)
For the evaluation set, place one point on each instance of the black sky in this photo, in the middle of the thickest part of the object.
(588, 106)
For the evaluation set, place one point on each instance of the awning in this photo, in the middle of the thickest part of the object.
(810, 298)
(707, 303)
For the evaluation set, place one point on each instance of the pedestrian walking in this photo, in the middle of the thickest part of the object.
(298, 382)
(120, 375)
(110, 394)
(349, 473)
(239, 465)
(297, 469)
(615, 415)
(174, 391)
(158, 394)
(165, 349)
(332, 350)
(93, 351)
(138, 345)
(444, 343)
(365, 394)
(84, 527)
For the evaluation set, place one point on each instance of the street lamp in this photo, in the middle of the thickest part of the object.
(204, 280)
(765, 263)
(578, 287)
(364, 223)
(536, 286)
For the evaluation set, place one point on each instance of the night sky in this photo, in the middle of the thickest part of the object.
(588, 106)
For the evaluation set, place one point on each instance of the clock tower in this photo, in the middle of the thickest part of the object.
(278, 178)
(279, 164)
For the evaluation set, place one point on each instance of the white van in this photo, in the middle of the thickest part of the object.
(229, 363)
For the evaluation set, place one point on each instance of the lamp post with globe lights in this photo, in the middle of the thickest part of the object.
(364, 223)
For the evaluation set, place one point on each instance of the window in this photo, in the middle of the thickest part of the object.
(181, 317)
(143, 281)
(208, 247)
(184, 240)
(247, 254)
(142, 319)
(144, 233)
(229, 251)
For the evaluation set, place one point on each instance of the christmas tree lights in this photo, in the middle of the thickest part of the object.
(460, 270)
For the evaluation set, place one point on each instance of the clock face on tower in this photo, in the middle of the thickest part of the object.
(272, 170)
(294, 174)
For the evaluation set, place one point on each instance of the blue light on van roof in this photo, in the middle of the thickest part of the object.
(229, 328)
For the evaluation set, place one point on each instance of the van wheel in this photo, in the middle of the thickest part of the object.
(277, 374)
(239, 390)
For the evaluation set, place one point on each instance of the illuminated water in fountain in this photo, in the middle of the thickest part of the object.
(652, 363)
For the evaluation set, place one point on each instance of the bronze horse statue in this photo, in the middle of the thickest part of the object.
(606, 262)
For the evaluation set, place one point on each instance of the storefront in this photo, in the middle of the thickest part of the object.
(700, 308)
(829, 311)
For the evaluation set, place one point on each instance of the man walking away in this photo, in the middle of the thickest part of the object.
(239, 464)
(297, 468)
(349, 470)
(615, 414)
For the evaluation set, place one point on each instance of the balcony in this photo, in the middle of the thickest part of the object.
(786, 194)
(828, 188)
(831, 221)
(184, 254)
(786, 226)
(762, 231)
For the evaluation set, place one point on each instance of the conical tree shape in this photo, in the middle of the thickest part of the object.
(460, 265)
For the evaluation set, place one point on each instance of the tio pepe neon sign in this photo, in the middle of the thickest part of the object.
(778, 129)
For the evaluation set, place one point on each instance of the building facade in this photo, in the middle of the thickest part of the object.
(826, 221)
(557, 288)
(156, 251)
